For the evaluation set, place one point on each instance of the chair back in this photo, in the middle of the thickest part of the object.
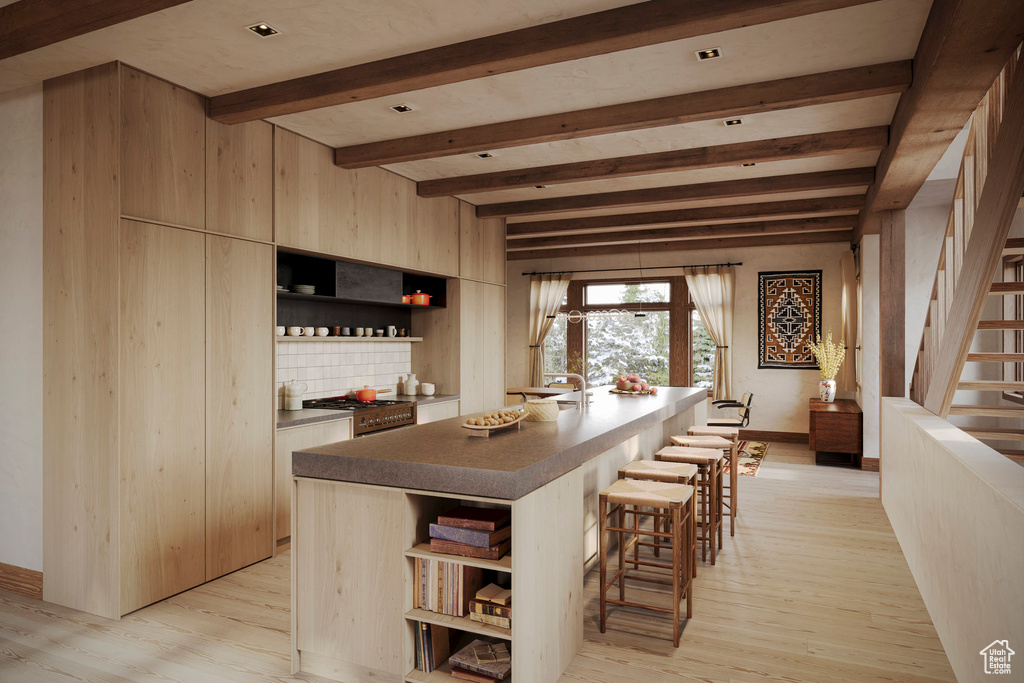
(744, 412)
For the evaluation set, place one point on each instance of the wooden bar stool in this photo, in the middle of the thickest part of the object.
(671, 499)
(672, 473)
(709, 484)
(726, 446)
(730, 499)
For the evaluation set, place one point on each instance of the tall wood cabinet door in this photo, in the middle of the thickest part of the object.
(162, 412)
(239, 404)
(240, 179)
(471, 361)
(163, 162)
(481, 246)
(493, 347)
(434, 232)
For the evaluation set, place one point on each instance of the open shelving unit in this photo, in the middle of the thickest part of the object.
(349, 340)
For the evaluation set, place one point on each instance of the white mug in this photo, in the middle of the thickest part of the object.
(280, 330)
(322, 331)
(294, 331)
(427, 388)
(308, 331)
(392, 331)
(359, 332)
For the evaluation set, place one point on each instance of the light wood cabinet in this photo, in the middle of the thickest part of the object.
(239, 404)
(240, 179)
(287, 442)
(163, 412)
(432, 412)
(481, 246)
(163, 131)
(483, 347)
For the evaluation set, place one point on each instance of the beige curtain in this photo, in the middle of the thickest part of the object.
(712, 292)
(847, 380)
(546, 294)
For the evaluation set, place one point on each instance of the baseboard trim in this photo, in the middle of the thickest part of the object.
(781, 437)
(869, 464)
(27, 582)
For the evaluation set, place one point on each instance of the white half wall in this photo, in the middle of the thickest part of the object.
(21, 319)
(780, 396)
(957, 508)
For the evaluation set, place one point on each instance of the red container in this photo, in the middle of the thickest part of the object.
(421, 299)
(407, 298)
(368, 395)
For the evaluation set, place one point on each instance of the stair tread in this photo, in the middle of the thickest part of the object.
(1001, 325)
(995, 433)
(995, 358)
(985, 385)
(1008, 411)
(1006, 288)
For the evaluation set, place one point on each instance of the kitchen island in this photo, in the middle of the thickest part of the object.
(361, 511)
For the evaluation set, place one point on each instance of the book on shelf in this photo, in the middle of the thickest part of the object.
(494, 552)
(492, 660)
(489, 608)
(467, 675)
(445, 587)
(466, 517)
(500, 622)
(477, 537)
(432, 646)
(492, 592)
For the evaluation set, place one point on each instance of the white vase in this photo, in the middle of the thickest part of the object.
(827, 390)
(411, 385)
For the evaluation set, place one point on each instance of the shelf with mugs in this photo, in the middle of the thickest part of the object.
(331, 339)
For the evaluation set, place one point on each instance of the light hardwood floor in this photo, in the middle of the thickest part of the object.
(813, 587)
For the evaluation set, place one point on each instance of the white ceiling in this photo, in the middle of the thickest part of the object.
(204, 46)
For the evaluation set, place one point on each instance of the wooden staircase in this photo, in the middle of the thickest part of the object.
(978, 261)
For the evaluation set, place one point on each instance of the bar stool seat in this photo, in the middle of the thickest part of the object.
(730, 496)
(659, 470)
(709, 467)
(673, 500)
(700, 441)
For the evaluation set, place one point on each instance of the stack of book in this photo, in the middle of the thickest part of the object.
(432, 646)
(492, 605)
(482, 662)
(445, 587)
(472, 532)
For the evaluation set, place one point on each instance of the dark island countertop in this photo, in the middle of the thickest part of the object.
(441, 456)
(307, 416)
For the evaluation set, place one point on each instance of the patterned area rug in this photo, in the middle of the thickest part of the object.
(751, 454)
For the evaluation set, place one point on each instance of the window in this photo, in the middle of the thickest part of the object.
(703, 352)
(611, 340)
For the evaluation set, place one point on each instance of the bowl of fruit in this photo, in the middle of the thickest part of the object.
(633, 385)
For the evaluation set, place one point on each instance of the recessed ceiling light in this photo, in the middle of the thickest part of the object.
(733, 122)
(710, 53)
(402, 108)
(485, 155)
(750, 164)
(263, 29)
(540, 187)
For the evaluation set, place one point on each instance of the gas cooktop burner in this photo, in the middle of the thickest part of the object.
(345, 403)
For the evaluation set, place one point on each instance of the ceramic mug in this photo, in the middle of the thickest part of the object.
(279, 330)
(346, 332)
(392, 331)
(380, 333)
(294, 331)
(402, 333)
(359, 332)
(336, 331)
(308, 331)
(322, 331)
(427, 388)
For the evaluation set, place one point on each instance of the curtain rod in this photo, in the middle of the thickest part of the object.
(612, 270)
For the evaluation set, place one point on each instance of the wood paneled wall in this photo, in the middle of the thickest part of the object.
(81, 163)
(481, 246)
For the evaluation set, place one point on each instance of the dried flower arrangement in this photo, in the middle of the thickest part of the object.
(829, 356)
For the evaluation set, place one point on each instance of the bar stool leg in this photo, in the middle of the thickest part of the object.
(677, 552)
(734, 480)
(603, 559)
(721, 508)
(714, 508)
(622, 553)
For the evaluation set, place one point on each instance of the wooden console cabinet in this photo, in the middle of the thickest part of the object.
(836, 432)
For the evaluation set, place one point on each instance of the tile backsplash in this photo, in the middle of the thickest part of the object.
(335, 368)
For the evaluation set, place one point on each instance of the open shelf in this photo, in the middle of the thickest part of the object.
(358, 302)
(459, 623)
(442, 674)
(348, 339)
(423, 550)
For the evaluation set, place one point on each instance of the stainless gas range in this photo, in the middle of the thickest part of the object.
(369, 416)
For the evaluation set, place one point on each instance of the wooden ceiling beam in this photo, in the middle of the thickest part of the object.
(964, 46)
(782, 227)
(683, 245)
(825, 205)
(757, 151)
(621, 28)
(727, 189)
(786, 93)
(31, 24)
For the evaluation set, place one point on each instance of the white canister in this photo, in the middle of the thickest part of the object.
(411, 385)
(293, 395)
